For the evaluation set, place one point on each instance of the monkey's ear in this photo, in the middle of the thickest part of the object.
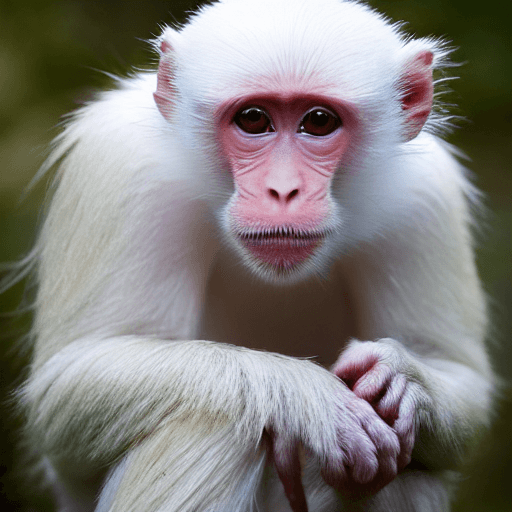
(417, 92)
(165, 89)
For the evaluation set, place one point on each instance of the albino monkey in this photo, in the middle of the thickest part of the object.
(256, 282)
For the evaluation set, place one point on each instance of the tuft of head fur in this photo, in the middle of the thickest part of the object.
(344, 47)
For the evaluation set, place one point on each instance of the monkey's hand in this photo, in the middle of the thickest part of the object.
(359, 460)
(383, 374)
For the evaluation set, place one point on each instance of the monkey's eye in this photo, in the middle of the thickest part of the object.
(253, 120)
(319, 122)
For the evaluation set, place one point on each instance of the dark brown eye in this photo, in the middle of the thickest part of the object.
(253, 120)
(319, 122)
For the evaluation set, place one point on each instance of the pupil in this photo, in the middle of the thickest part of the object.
(319, 122)
(253, 115)
(319, 118)
(253, 120)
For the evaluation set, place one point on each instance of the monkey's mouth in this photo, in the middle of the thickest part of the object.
(282, 247)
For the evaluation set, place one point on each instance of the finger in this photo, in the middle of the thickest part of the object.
(365, 440)
(373, 384)
(389, 405)
(353, 365)
(405, 427)
(288, 466)
(387, 445)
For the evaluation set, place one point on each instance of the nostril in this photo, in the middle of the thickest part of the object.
(283, 197)
(292, 194)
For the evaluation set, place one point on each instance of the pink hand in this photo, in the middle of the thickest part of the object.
(377, 372)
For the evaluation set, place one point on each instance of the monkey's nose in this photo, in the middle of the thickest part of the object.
(283, 197)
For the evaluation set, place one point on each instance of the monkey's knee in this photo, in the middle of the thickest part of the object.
(185, 468)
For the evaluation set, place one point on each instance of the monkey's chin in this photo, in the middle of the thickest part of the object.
(280, 256)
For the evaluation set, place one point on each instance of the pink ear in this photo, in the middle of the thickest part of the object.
(417, 89)
(165, 88)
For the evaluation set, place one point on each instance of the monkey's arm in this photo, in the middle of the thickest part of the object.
(426, 372)
(96, 397)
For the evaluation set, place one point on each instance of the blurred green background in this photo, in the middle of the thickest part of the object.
(51, 53)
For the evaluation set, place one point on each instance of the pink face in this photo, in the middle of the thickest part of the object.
(283, 151)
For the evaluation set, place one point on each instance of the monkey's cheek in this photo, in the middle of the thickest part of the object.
(282, 253)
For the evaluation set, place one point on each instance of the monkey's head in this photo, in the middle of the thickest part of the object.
(295, 114)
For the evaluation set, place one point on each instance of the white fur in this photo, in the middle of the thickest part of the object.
(133, 272)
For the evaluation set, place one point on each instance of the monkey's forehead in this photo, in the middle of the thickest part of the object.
(311, 44)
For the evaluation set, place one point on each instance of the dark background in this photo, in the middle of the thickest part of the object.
(51, 53)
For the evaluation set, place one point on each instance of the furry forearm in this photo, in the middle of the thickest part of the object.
(94, 398)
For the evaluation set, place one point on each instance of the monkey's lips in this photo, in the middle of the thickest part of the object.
(282, 248)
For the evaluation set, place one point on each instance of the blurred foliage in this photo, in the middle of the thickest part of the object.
(52, 55)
